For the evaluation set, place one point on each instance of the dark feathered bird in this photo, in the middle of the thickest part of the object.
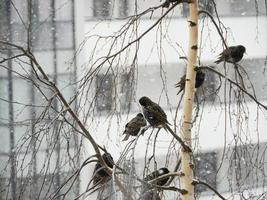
(156, 174)
(157, 118)
(167, 3)
(133, 127)
(232, 55)
(100, 174)
(153, 113)
(200, 78)
(150, 195)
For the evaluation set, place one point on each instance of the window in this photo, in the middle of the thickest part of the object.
(255, 70)
(104, 92)
(102, 8)
(207, 91)
(3, 187)
(5, 138)
(31, 187)
(104, 85)
(248, 7)
(4, 33)
(128, 181)
(248, 166)
(126, 92)
(241, 7)
(244, 167)
(253, 75)
(123, 8)
(205, 170)
(43, 33)
(3, 100)
(107, 9)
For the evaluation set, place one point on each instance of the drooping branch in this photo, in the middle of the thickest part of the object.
(237, 85)
(63, 100)
(114, 55)
(215, 24)
(196, 182)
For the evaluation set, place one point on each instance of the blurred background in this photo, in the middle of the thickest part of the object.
(40, 145)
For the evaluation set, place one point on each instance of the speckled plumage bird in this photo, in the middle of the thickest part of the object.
(157, 118)
(156, 174)
(133, 127)
(232, 55)
(200, 78)
(150, 195)
(167, 3)
(153, 113)
(100, 174)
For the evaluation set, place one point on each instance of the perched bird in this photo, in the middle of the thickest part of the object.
(134, 125)
(232, 55)
(100, 174)
(200, 78)
(153, 113)
(150, 195)
(156, 174)
(167, 3)
(157, 118)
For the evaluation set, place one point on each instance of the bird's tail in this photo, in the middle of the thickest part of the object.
(186, 147)
(126, 137)
(181, 89)
(217, 61)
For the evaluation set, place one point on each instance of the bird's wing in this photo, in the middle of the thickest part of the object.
(151, 176)
(232, 48)
(126, 127)
(137, 122)
(126, 137)
(157, 111)
(108, 159)
(181, 83)
(226, 54)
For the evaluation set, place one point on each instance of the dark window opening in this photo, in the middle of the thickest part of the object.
(241, 7)
(126, 92)
(123, 8)
(104, 85)
(102, 8)
(248, 167)
(205, 170)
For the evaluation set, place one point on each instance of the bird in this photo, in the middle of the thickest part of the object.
(167, 3)
(200, 78)
(157, 118)
(133, 127)
(100, 174)
(232, 55)
(155, 174)
(150, 195)
(153, 113)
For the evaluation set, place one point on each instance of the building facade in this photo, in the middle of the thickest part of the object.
(70, 39)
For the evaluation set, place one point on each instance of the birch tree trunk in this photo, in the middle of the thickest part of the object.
(186, 157)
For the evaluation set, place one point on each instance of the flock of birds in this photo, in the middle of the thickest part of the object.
(157, 118)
